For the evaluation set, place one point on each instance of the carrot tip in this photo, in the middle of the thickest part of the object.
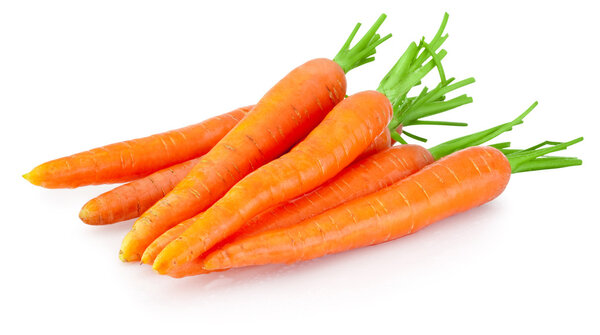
(147, 259)
(84, 215)
(30, 179)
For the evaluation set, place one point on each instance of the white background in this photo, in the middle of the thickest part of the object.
(79, 74)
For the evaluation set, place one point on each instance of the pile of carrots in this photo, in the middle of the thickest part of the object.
(305, 172)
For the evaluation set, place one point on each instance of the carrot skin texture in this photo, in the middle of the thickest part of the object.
(454, 184)
(380, 144)
(286, 114)
(130, 200)
(359, 179)
(342, 136)
(133, 159)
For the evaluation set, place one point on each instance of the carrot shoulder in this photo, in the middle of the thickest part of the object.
(286, 114)
(129, 160)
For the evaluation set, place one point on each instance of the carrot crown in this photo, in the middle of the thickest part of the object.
(414, 64)
(478, 138)
(362, 53)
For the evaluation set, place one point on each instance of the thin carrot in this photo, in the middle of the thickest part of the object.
(344, 134)
(130, 160)
(359, 179)
(286, 114)
(454, 184)
(362, 177)
(130, 200)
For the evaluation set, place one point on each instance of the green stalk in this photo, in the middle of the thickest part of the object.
(410, 69)
(362, 53)
(546, 163)
(524, 160)
(477, 138)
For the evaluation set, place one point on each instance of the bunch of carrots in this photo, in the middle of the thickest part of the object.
(305, 172)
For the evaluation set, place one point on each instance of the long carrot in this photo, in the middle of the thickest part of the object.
(454, 184)
(359, 179)
(130, 200)
(350, 183)
(129, 160)
(343, 135)
(286, 114)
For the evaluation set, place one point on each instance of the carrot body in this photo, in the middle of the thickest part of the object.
(129, 160)
(359, 179)
(369, 164)
(130, 200)
(282, 117)
(343, 135)
(453, 184)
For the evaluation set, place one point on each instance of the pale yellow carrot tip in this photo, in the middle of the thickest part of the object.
(84, 215)
(146, 259)
(28, 176)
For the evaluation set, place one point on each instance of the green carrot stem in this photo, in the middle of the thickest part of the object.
(517, 159)
(545, 163)
(415, 137)
(438, 123)
(501, 145)
(478, 138)
(350, 58)
(434, 108)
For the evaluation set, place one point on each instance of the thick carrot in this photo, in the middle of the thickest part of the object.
(363, 177)
(367, 176)
(286, 114)
(345, 133)
(129, 160)
(342, 136)
(454, 184)
(381, 143)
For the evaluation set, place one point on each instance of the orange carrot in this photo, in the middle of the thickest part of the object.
(129, 160)
(344, 134)
(130, 200)
(367, 176)
(382, 142)
(286, 114)
(454, 184)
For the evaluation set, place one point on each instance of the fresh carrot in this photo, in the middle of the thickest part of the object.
(130, 200)
(286, 114)
(362, 177)
(359, 179)
(129, 160)
(344, 134)
(454, 184)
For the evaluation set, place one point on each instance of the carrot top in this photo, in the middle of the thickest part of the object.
(414, 64)
(534, 158)
(361, 53)
(446, 148)
(521, 160)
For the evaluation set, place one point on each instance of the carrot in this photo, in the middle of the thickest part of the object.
(344, 134)
(454, 184)
(130, 200)
(129, 160)
(286, 114)
(359, 179)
